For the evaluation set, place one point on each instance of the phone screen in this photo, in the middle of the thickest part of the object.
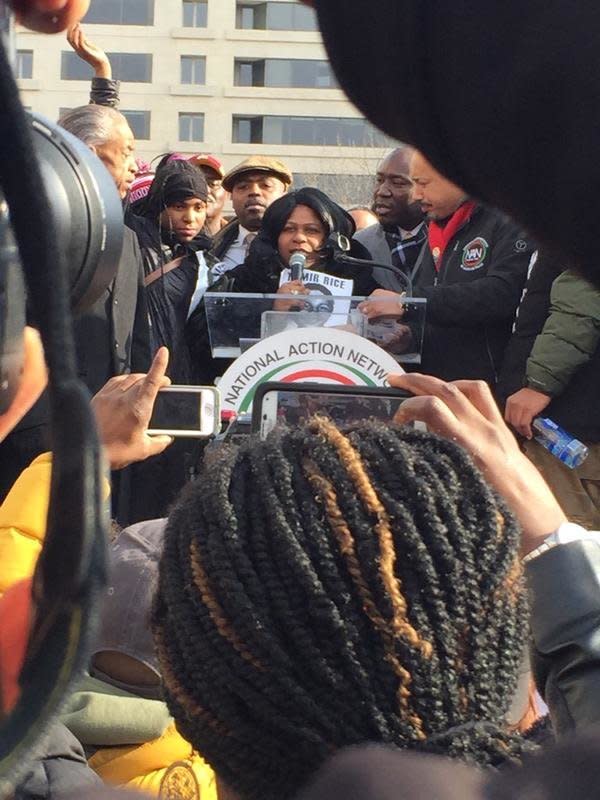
(293, 407)
(185, 411)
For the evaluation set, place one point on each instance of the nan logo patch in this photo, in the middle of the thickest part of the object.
(474, 254)
(179, 783)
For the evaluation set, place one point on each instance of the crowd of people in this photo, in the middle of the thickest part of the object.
(377, 587)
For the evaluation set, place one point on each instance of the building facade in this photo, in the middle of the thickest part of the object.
(229, 77)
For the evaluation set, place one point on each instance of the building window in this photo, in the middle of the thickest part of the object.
(293, 73)
(275, 16)
(121, 12)
(195, 13)
(133, 67)
(24, 64)
(139, 122)
(191, 127)
(193, 70)
(249, 72)
(321, 131)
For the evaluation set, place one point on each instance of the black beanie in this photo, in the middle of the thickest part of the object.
(502, 96)
(177, 180)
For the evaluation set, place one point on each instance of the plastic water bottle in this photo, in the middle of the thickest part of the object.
(561, 444)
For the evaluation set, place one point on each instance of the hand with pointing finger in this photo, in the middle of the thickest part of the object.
(123, 408)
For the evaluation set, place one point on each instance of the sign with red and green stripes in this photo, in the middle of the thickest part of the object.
(307, 355)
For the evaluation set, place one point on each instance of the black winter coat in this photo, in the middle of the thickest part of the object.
(262, 275)
(112, 338)
(472, 300)
(168, 298)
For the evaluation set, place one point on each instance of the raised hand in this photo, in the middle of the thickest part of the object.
(89, 52)
(123, 408)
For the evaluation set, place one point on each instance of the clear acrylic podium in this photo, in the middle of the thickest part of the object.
(236, 321)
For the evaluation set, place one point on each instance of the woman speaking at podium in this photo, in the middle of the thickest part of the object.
(305, 222)
(308, 222)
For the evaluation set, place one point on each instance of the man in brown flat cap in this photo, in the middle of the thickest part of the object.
(254, 185)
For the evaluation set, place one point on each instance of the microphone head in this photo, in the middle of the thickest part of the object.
(296, 265)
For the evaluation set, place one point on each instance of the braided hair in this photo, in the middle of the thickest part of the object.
(322, 589)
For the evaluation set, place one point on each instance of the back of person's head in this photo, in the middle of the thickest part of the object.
(569, 769)
(322, 589)
(92, 124)
(123, 652)
(373, 772)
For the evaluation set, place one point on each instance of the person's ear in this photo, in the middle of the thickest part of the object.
(34, 378)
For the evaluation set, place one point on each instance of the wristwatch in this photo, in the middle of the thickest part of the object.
(566, 533)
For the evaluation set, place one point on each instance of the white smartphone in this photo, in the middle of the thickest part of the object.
(292, 403)
(186, 411)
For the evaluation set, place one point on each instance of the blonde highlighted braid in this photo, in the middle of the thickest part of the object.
(322, 589)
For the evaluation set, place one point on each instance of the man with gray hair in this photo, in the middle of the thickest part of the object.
(107, 133)
(112, 337)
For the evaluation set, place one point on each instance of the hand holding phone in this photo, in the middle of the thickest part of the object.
(123, 408)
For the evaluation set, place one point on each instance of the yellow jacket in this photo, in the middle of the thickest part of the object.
(23, 522)
(166, 767)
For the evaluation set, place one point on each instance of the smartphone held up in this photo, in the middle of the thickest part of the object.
(294, 403)
(186, 411)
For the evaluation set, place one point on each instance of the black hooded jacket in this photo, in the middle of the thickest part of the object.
(169, 290)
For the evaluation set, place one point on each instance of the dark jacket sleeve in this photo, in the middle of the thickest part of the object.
(105, 92)
(60, 770)
(141, 357)
(565, 623)
(530, 318)
(491, 298)
(570, 336)
(223, 240)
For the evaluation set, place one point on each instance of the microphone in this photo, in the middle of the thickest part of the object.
(296, 265)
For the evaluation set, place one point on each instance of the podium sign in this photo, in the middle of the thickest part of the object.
(307, 355)
(237, 321)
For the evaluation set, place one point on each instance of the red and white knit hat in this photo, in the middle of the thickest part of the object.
(140, 187)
